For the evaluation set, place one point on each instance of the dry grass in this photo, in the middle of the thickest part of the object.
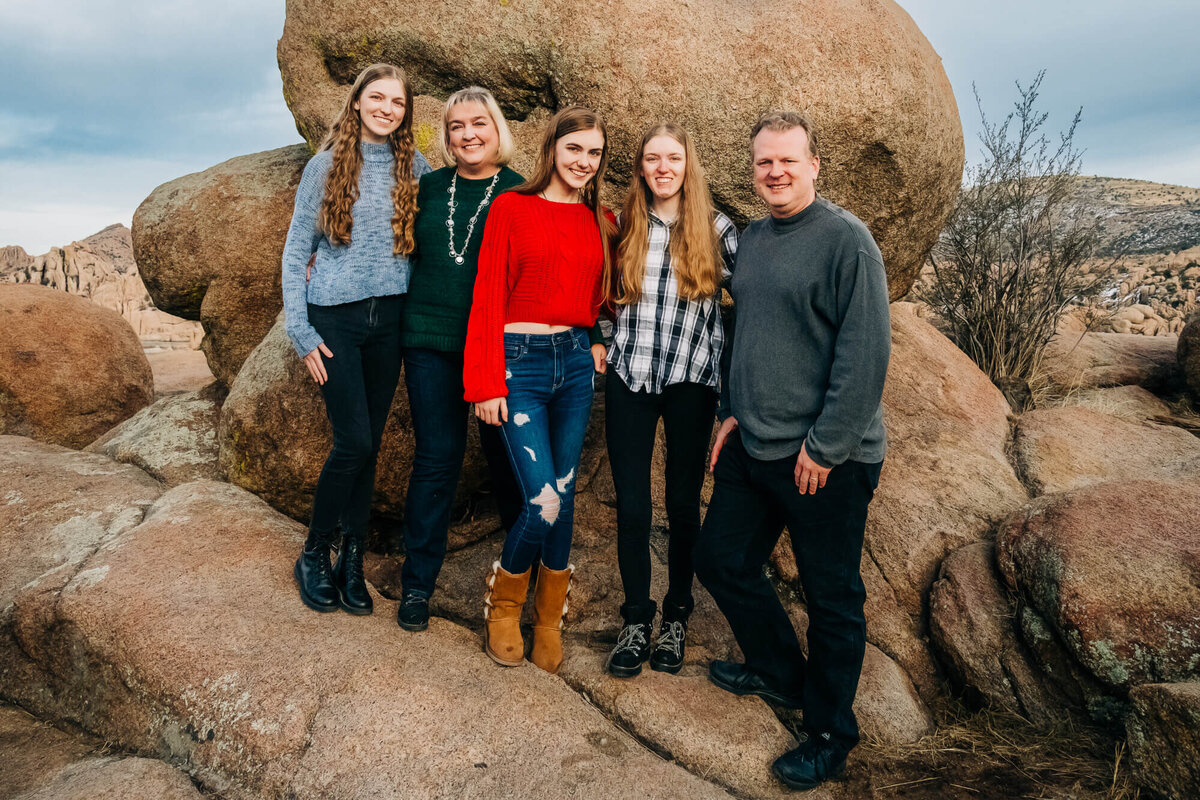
(992, 754)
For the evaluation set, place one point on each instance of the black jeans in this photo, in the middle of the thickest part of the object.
(630, 421)
(439, 414)
(752, 501)
(364, 338)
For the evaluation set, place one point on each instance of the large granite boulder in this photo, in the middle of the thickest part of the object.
(1164, 738)
(69, 369)
(971, 623)
(175, 440)
(1075, 361)
(1059, 449)
(1114, 571)
(1187, 354)
(210, 245)
(946, 481)
(890, 135)
(183, 639)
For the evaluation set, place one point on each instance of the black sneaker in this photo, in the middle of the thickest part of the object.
(413, 614)
(816, 760)
(668, 650)
(633, 648)
(740, 679)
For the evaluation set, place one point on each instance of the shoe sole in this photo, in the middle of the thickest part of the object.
(623, 672)
(304, 598)
(769, 696)
(413, 628)
(804, 786)
(358, 612)
(672, 670)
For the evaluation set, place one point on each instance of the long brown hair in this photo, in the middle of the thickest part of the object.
(693, 240)
(341, 187)
(567, 121)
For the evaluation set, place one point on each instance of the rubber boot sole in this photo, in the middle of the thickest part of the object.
(414, 628)
(804, 786)
(670, 670)
(308, 601)
(623, 672)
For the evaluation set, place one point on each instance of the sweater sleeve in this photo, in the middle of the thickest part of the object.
(483, 355)
(302, 238)
(420, 165)
(860, 361)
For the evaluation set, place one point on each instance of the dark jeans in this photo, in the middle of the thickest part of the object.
(549, 400)
(752, 500)
(364, 338)
(439, 416)
(629, 425)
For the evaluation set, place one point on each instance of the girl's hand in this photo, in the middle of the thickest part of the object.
(723, 432)
(600, 357)
(493, 411)
(316, 367)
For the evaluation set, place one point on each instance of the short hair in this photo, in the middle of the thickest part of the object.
(477, 94)
(780, 121)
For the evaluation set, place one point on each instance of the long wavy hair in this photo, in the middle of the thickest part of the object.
(345, 140)
(567, 121)
(693, 240)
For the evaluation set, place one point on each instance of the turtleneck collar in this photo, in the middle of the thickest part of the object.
(376, 152)
(797, 220)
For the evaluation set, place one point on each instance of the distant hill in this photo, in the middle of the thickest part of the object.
(101, 268)
(1141, 217)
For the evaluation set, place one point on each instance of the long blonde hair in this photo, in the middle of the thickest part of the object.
(341, 188)
(567, 121)
(693, 240)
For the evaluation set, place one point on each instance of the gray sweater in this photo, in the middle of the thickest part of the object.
(811, 339)
(342, 273)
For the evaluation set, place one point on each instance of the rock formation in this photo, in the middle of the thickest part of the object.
(101, 268)
(890, 136)
(210, 245)
(1187, 355)
(66, 383)
(175, 440)
(1164, 738)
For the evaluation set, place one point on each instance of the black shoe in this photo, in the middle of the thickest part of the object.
(413, 614)
(315, 577)
(633, 648)
(739, 679)
(668, 650)
(816, 760)
(348, 575)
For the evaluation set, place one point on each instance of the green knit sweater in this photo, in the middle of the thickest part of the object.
(439, 290)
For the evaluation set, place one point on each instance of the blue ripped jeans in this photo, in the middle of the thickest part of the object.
(549, 400)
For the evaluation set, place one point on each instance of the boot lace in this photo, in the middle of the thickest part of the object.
(354, 559)
(670, 637)
(414, 599)
(632, 638)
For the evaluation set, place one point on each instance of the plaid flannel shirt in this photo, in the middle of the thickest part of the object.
(664, 339)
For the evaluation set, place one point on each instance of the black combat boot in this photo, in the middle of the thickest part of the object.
(633, 643)
(315, 575)
(348, 575)
(668, 649)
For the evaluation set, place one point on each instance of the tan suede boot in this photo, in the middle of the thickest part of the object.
(549, 610)
(502, 615)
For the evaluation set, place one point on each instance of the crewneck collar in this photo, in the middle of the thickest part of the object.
(376, 152)
(797, 220)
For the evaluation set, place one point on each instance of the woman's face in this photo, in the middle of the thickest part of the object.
(473, 137)
(577, 157)
(664, 164)
(381, 107)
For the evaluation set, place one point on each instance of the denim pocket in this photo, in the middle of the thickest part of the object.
(513, 352)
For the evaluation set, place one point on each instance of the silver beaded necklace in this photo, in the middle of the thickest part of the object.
(459, 256)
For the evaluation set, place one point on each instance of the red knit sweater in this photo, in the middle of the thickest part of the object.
(539, 261)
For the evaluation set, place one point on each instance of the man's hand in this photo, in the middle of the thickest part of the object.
(600, 357)
(316, 367)
(810, 475)
(722, 434)
(493, 411)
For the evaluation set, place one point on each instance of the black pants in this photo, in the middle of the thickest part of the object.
(630, 422)
(439, 416)
(752, 501)
(364, 338)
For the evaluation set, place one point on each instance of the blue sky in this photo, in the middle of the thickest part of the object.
(102, 100)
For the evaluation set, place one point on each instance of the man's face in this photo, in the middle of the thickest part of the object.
(785, 172)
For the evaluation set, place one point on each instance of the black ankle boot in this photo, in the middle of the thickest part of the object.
(315, 577)
(348, 575)
(668, 649)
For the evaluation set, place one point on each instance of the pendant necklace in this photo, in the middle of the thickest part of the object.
(458, 256)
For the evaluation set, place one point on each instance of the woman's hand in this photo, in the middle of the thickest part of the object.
(493, 411)
(600, 357)
(722, 434)
(316, 367)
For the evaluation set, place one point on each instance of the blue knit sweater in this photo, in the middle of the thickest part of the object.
(345, 273)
